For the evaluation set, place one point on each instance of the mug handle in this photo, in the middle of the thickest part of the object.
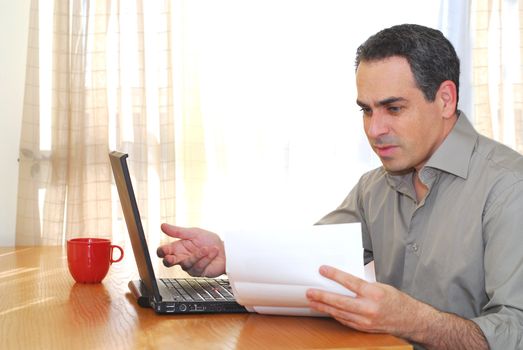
(112, 253)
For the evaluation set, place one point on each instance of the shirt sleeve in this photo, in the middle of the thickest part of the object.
(501, 319)
(350, 210)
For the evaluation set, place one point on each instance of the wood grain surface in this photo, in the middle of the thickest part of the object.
(41, 307)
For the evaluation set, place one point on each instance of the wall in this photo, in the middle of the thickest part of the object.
(14, 24)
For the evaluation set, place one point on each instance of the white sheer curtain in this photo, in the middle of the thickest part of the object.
(234, 113)
(498, 71)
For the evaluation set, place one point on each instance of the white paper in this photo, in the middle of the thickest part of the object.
(271, 269)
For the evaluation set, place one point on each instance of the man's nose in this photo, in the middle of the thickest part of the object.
(377, 125)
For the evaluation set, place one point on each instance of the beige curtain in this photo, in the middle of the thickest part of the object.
(100, 77)
(498, 70)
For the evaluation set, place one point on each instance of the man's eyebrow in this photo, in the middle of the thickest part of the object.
(383, 102)
(390, 100)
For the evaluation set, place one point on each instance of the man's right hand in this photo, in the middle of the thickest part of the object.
(197, 251)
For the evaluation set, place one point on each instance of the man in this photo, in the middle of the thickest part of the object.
(442, 218)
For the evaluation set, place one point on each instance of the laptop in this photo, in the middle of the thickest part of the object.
(165, 295)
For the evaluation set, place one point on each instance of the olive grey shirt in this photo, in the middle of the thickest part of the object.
(460, 249)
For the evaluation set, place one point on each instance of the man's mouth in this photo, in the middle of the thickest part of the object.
(385, 151)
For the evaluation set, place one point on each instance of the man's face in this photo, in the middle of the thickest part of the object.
(402, 127)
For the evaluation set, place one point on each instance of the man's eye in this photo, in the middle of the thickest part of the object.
(366, 110)
(394, 109)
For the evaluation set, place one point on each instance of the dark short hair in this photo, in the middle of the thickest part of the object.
(431, 56)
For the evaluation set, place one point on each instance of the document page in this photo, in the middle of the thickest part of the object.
(271, 269)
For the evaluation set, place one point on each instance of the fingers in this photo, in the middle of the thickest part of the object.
(351, 282)
(169, 260)
(195, 264)
(166, 250)
(335, 304)
(178, 232)
(160, 251)
(199, 267)
(175, 232)
(328, 301)
(346, 317)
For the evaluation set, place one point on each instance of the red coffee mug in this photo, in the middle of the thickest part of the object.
(89, 258)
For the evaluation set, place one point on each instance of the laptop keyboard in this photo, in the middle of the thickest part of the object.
(199, 289)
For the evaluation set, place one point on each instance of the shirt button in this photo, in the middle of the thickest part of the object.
(415, 247)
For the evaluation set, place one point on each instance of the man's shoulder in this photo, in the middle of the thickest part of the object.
(493, 157)
(375, 174)
(374, 178)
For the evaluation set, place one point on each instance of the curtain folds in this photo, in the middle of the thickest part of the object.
(498, 70)
(105, 86)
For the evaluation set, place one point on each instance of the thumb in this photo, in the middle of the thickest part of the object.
(177, 231)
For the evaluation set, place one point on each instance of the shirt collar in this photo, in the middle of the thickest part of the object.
(453, 155)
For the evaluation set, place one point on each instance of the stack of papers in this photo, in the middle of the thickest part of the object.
(271, 269)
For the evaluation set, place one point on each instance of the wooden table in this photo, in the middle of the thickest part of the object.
(41, 307)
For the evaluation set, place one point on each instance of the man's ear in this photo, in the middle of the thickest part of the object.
(448, 97)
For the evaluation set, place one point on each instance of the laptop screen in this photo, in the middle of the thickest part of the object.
(134, 224)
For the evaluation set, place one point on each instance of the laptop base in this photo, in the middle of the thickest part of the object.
(145, 300)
